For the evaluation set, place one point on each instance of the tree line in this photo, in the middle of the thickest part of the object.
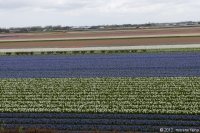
(99, 27)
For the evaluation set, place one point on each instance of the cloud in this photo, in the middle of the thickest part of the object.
(43, 4)
(94, 12)
(99, 5)
(109, 5)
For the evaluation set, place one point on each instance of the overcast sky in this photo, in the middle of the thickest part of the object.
(19, 13)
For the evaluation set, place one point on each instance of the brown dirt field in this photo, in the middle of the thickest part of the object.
(101, 43)
(135, 32)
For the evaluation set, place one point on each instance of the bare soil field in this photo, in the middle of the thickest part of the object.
(112, 33)
(101, 43)
(138, 37)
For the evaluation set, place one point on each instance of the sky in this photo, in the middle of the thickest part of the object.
(22, 13)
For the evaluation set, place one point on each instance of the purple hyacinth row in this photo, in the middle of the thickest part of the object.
(117, 65)
(100, 127)
(100, 122)
(121, 122)
(101, 116)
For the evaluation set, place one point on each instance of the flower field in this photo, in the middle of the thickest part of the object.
(133, 104)
(123, 92)
(92, 66)
(109, 122)
(102, 95)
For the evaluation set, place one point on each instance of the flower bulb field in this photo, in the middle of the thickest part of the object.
(95, 66)
(138, 92)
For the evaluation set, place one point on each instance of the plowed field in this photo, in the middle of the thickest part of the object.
(136, 32)
(101, 43)
(137, 37)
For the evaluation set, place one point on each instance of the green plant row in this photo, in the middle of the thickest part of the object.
(101, 95)
(100, 52)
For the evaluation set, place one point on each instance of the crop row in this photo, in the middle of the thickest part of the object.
(101, 52)
(97, 52)
(108, 122)
(101, 116)
(92, 66)
(100, 122)
(112, 72)
(114, 95)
